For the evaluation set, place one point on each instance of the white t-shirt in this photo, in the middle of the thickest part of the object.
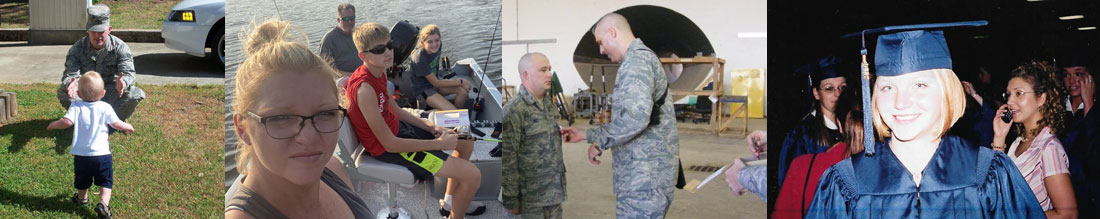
(90, 121)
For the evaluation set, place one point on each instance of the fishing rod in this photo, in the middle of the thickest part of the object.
(492, 38)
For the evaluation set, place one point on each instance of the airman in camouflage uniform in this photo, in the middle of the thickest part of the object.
(533, 167)
(112, 60)
(642, 136)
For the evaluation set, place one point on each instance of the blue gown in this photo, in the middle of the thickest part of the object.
(1081, 140)
(976, 124)
(799, 141)
(960, 181)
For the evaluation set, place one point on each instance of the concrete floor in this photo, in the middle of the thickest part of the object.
(156, 64)
(590, 189)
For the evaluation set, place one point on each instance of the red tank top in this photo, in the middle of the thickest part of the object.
(358, 122)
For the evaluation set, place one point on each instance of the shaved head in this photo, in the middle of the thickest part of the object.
(612, 20)
(527, 60)
(613, 35)
(535, 73)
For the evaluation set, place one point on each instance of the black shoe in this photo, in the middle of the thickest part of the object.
(103, 211)
(480, 210)
(78, 200)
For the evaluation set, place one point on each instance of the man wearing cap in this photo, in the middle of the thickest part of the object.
(107, 54)
(1081, 138)
(642, 132)
(918, 171)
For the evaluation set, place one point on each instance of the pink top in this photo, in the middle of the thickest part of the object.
(1044, 158)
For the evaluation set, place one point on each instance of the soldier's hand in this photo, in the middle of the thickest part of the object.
(513, 211)
(119, 84)
(572, 135)
(72, 88)
(593, 153)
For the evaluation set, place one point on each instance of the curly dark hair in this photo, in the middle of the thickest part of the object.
(1044, 80)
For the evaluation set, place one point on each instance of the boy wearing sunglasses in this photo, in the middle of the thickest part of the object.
(396, 136)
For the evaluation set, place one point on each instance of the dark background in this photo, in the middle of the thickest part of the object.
(804, 31)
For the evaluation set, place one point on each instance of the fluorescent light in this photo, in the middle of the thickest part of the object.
(1071, 17)
(1034, 0)
(753, 35)
(1086, 28)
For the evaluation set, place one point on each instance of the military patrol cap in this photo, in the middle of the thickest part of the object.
(99, 18)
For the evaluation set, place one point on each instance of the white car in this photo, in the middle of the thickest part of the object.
(194, 25)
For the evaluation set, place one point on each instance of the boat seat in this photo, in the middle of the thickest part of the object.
(362, 166)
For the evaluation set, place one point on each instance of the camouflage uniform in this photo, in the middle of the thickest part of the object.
(533, 169)
(645, 155)
(115, 57)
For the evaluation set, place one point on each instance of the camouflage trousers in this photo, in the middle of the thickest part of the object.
(651, 203)
(545, 212)
(124, 106)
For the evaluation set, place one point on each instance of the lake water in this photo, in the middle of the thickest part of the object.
(467, 28)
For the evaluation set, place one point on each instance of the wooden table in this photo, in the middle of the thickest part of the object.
(717, 77)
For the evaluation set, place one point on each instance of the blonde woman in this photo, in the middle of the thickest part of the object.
(425, 67)
(918, 171)
(1034, 98)
(286, 114)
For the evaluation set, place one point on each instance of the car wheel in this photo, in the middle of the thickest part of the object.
(221, 48)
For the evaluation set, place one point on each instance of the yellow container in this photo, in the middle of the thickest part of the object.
(748, 82)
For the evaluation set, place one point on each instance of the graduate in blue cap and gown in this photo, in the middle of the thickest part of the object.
(820, 128)
(1081, 139)
(918, 171)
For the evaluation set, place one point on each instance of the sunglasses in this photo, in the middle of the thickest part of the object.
(348, 18)
(378, 50)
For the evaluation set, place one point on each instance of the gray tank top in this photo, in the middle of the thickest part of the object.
(251, 203)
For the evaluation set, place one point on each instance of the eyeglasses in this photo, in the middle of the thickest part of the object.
(348, 18)
(1016, 94)
(834, 89)
(378, 50)
(288, 126)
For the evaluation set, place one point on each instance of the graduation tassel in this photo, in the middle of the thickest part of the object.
(865, 85)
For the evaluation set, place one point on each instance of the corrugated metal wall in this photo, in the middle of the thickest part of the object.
(59, 14)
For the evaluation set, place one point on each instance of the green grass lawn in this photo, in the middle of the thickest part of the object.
(125, 14)
(171, 166)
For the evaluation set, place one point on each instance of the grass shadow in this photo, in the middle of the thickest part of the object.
(22, 132)
(56, 203)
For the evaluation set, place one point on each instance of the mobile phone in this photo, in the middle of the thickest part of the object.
(1007, 116)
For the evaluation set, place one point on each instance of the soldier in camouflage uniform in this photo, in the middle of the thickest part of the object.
(104, 53)
(642, 131)
(533, 169)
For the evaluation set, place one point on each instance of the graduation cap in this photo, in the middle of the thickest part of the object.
(825, 68)
(900, 50)
(1077, 58)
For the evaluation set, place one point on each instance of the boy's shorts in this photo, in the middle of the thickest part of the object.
(423, 164)
(97, 169)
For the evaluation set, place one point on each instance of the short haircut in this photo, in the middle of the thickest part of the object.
(345, 6)
(89, 86)
(525, 61)
(615, 19)
(953, 107)
(368, 34)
